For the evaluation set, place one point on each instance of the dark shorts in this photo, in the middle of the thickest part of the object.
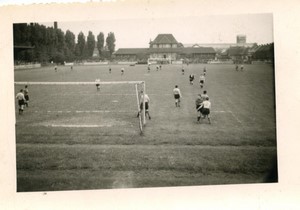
(197, 107)
(146, 105)
(201, 81)
(205, 111)
(176, 96)
(21, 102)
(97, 85)
(27, 97)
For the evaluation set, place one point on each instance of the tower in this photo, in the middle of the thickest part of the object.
(241, 39)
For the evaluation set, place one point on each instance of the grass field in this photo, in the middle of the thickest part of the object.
(76, 138)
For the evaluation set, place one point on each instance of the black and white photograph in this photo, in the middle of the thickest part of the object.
(150, 105)
(207, 88)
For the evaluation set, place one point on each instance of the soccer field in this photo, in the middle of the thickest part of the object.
(73, 137)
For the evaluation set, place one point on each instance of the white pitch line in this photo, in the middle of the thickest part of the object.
(237, 119)
(85, 111)
(221, 111)
(77, 126)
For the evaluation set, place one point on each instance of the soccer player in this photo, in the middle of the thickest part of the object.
(21, 101)
(242, 67)
(204, 95)
(149, 68)
(204, 71)
(147, 101)
(157, 67)
(205, 109)
(192, 77)
(26, 96)
(237, 67)
(177, 95)
(182, 71)
(201, 80)
(198, 103)
(122, 71)
(97, 84)
(160, 67)
(55, 68)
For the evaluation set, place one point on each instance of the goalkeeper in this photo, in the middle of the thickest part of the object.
(147, 101)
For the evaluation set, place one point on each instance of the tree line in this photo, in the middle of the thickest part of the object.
(53, 45)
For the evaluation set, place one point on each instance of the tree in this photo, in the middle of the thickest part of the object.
(90, 44)
(110, 42)
(70, 45)
(80, 44)
(100, 43)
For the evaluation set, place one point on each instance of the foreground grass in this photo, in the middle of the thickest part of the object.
(138, 166)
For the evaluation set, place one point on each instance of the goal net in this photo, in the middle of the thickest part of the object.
(113, 106)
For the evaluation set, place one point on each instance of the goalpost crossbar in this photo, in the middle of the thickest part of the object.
(79, 83)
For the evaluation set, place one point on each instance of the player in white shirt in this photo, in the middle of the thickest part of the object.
(201, 80)
(191, 77)
(21, 101)
(147, 101)
(205, 109)
(122, 71)
(242, 67)
(177, 95)
(97, 84)
(204, 70)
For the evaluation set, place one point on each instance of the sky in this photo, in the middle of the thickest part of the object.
(20, 2)
(136, 33)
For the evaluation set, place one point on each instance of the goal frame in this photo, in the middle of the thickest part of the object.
(142, 119)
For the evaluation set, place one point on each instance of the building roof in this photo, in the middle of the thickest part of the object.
(219, 45)
(237, 51)
(165, 50)
(197, 50)
(164, 39)
(131, 51)
(181, 50)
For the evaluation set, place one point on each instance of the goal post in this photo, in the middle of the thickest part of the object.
(135, 84)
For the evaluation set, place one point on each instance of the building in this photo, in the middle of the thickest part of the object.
(241, 41)
(166, 49)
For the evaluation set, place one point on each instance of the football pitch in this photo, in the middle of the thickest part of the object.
(73, 137)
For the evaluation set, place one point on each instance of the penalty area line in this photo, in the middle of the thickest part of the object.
(85, 111)
(77, 126)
